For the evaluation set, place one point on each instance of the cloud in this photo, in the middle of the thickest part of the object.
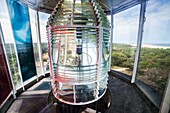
(44, 17)
(156, 26)
(126, 26)
(157, 22)
(158, 13)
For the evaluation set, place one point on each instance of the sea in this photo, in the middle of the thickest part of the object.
(163, 45)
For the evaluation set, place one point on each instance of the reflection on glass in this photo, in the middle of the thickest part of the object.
(78, 75)
(124, 40)
(45, 56)
(9, 44)
(32, 14)
(20, 22)
(154, 64)
(11, 55)
(43, 18)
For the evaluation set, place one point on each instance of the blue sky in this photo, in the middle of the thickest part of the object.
(156, 29)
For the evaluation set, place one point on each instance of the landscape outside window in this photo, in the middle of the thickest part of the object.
(9, 44)
(125, 39)
(44, 46)
(154, 64)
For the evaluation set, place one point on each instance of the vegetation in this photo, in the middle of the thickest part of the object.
(154, 64)
(13, 60)
(44, 51)
(153, 69)
(123, 57)
(14, 68)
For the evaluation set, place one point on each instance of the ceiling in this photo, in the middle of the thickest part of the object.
(116, 5)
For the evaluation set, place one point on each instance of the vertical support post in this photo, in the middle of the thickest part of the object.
(100, 52)
(74, 92)
(39, 42)
(111, 40)
(9, 69)
(165, 106)
(139, 40)
(15, 49)
(65, 50)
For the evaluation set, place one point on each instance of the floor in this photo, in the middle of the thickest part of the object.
(125, 99)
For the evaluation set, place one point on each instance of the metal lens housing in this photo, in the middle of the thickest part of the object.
(78, 38)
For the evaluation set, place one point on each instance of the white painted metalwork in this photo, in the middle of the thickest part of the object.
(9, 69)
(111, 40)
(79, 52)
(139, 40)
(74, 26)
(3, 103)
(39, 42)
(82, 103)
(100, 51)
(165, 107)
(15, 49)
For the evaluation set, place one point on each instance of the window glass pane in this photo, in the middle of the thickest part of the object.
(124, 40)
(5, 85)
(22, 33)
(9, 44)
(44, 42)
(34, 40)
(154, 64)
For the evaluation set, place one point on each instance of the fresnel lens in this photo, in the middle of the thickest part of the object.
(78, 39)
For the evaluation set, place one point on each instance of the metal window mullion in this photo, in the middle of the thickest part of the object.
(139, 40)
(39, 42)
(19, 69)
(33, 50)
(165, 106)
(15, 49)
(9, 69)
(111, 40)
(100, 51)
(6, 100)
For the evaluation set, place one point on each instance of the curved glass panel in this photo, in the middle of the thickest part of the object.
(79, 63)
